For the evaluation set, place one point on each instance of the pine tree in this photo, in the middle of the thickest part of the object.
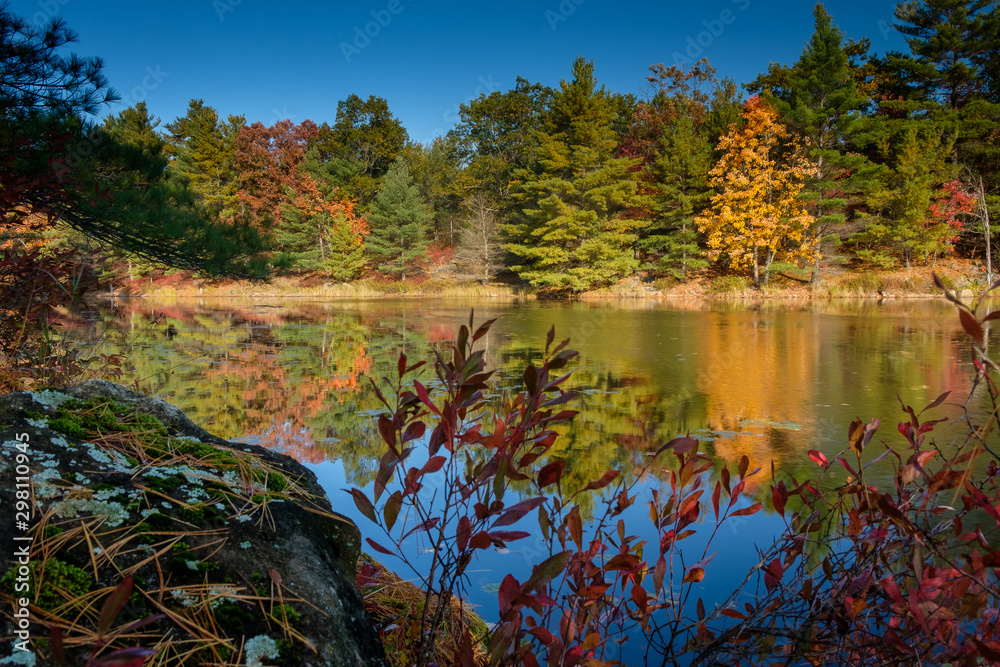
(917, 152)
(757, 217)
(671, 134)
(398, 221)
(954, 45)
(136, 127)
(319, 229)
(571, 232)
(203, 150)
(820, 101)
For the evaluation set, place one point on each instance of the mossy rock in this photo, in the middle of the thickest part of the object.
(127, 483)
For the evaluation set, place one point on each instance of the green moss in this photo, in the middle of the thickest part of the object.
(52, 531)
(165, 485)
(68, 427)
(191, 514)
(232, 618)
(285, 613)
(54, 582)
(158, 521)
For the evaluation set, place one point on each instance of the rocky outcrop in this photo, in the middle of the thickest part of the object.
(234, 550)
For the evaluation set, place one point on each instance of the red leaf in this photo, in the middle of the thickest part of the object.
(772, 574)
(593, 592)
(514, 513)
(387, 431)
(732, 613)
(779, 496)
(971, 326)
(622, 562)
(391, 510)
(480, 540)
(551, 473)
(640, 597)
(463, 533)
(414, 431)
(378, 547)
(695, 574)
(575, 526)
(364, 505)
(126, 657)
(681, 445)
(433, 464)
(747, 511)
(466, 657)
(509, 535)
(605, 479)
(509, 589)
(715, 499)
(113, 605)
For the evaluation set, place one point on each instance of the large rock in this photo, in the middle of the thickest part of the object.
(236, 546)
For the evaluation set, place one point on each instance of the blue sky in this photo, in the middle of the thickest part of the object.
(295, 59)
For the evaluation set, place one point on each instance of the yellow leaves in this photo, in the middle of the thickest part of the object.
(757, 204)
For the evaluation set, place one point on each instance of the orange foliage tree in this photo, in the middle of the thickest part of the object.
(756, 216)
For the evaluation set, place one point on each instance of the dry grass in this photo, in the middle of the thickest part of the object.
(397, 605)
(305, 288)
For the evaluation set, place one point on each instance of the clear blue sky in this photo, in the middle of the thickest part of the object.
(295, 59)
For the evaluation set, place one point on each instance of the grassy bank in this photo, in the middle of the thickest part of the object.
(902, 283)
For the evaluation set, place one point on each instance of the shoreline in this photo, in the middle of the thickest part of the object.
(917, 283)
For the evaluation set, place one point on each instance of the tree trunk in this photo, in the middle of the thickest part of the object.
(756, 270)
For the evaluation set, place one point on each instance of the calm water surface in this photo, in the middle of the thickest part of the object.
(769, 382)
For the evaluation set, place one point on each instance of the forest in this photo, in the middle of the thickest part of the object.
(845, 159)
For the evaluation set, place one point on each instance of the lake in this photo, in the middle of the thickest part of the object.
(769, 381)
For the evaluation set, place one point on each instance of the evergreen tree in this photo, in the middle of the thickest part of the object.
(136, 127)
(954, 45)
(820, 101)
(58, 170)
(319, 229)
(917, 152)
(672, 136)
(398, 221)
(572, 232)
(203, 151)
(435, 170)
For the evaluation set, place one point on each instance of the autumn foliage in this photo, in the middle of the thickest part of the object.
(756, 216)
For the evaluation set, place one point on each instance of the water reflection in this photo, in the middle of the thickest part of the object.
(770, 381)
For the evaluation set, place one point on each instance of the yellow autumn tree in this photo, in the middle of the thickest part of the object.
(756, 217)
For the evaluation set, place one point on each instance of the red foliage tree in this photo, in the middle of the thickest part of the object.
(267, 161)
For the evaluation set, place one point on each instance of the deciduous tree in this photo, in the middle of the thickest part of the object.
(757, 217)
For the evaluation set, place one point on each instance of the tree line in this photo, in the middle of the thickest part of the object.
(845, 155)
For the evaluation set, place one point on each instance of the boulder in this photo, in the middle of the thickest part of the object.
(234, 551)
